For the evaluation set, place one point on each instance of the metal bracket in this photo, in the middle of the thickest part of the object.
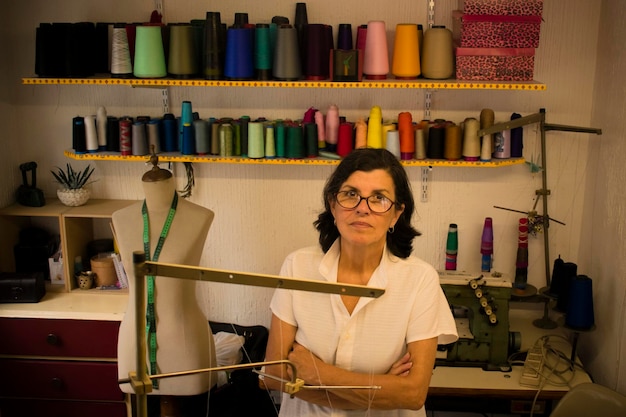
(425, 181)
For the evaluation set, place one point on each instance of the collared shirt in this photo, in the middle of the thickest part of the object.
(375, 335)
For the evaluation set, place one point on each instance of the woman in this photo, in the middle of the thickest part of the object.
(365, 237)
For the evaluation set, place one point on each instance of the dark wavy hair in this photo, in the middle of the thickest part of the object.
(400, 242)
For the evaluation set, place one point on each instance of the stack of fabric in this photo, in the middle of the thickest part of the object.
(496, 39)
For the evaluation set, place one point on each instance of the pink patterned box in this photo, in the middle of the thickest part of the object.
(495, 64)
(495, 31)
(502, 7)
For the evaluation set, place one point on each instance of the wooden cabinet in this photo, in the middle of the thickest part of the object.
(59, 367)
(76, 226)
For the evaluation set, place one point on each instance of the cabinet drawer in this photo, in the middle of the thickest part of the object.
(65, 380)
(58, 337)
(47, 408)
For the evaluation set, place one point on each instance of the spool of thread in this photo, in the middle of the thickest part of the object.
(236, 124)
(182, 55)
(486, 245)
(79, 140)
(556, 281)
(113, 134)
(319, 120)
(149, 59)
(420, 142)
(452, 247)
(262, 52)
(332, 128)
(386, 127)
(186, 117)
(502, 145)
(215, 138)
(170, 133)
(153, 129)
(405, 64)
(310, 139)
(202, 136)
(393, 143)
(239, 64)
(226, 139)
(374, 128)
(438, 54)
(241, 19)
(570, 271)
(101, 126)
(126, 128)
(471, 141)
(344, 37)
(212, 56)
(376, 55)
(281, 138)
(244, 134)
(317, 47)
(300, 23)
(270, 141)
(453, 142)
(256, 140)
(188, 145)
(295, 143)
(360, 134)
(406, 132)
(344, 144)
(517, 138)
(361, 37)
(521, 262)
(580, 314)
(91, 133)
(139, 141)
(287, 65)
(487, 143)
(121, 64)
(436, 141)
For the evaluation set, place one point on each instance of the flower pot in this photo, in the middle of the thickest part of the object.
(73, 197)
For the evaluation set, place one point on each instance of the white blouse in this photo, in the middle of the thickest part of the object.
(375, 335)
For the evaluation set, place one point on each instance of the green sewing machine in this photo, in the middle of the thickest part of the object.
(480, 305)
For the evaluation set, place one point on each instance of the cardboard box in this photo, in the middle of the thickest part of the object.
(493, 31)
(502, 7)
(495, 64)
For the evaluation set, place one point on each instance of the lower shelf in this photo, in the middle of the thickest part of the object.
(176, 157)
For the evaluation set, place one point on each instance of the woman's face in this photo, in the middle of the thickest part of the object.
(361, 226)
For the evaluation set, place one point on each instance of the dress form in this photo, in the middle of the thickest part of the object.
(184, 338)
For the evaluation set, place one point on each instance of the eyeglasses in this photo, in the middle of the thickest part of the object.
(377, 203)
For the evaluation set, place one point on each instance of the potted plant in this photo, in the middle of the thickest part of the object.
(73, 191)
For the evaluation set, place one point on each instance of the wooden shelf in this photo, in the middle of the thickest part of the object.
(450, 84)
(176, 157)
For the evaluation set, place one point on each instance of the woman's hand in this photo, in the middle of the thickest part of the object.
(402, 366)
(307, 364)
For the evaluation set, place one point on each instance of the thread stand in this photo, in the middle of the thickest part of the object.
(545, 322)
(544, 192)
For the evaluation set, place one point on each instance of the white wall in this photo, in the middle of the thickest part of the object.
(605, 212)
(263, 212)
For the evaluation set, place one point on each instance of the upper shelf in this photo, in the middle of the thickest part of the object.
(450, 84)
(176, 157)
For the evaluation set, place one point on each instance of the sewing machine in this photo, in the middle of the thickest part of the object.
(480, 305)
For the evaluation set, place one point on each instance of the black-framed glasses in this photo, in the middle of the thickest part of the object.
(377, 203)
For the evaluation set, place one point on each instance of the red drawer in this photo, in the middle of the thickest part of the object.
(36, 408)
(65, 380)
(58, 337)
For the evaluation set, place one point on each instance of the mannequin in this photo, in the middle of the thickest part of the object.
(183, 337)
